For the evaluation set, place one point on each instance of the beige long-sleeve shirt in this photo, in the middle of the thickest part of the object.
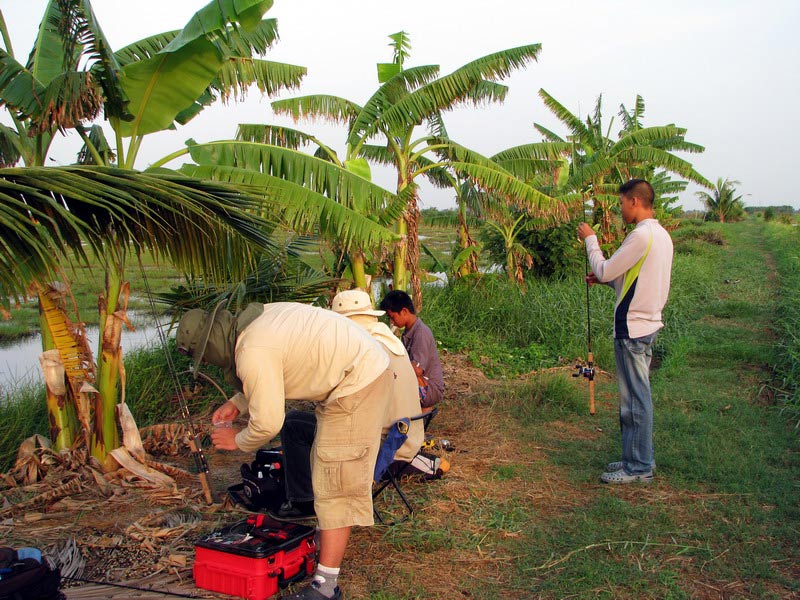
(298, 352)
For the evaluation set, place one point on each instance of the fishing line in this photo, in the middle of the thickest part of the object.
(194, 443)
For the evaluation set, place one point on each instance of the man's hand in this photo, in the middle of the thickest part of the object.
(226, 412)
(418, 370)
(591, 279)
(585, 230)
(224, 438)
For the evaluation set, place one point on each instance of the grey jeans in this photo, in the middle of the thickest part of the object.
(633, 358)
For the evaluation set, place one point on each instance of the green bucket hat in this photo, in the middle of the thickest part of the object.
(194, 329)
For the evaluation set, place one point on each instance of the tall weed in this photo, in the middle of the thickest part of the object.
(23, 412)
(506, 330)
(785, 244)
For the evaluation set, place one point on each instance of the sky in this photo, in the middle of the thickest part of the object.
(726, 70)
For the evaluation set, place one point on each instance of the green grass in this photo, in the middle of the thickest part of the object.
(722, 518)
(784, 241)
(725, 507)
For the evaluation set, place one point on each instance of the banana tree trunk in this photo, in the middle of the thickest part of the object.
(399, 274)
(470, 265)
(406, 257)
(110, 369)
(511, 268)
(357, 261)
(61, 420)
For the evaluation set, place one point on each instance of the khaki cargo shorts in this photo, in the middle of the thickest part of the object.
(344, 453)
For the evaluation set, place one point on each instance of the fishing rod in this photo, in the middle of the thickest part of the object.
(587, 370)
(194, 441)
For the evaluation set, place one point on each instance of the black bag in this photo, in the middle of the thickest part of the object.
(262, 486)
(27, 578)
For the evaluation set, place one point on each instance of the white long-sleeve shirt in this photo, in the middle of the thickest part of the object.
(639, 271)
(297, 352)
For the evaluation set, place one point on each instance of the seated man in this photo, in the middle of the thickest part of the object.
(299, 427)
(418, 341)
(287, 350)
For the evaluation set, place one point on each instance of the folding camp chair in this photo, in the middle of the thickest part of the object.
(388, 471)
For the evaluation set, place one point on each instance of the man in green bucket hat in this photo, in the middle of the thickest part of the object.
(285, 350)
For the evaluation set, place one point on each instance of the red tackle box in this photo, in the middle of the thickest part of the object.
(254, 557)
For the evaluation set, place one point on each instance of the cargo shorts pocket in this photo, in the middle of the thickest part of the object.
(341, 471)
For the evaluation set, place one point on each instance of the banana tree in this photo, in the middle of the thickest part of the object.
(52, 212)
(406, 99)
(722, 203)
(72, 74)
(305, 190)
(600, 164)
(375, 206)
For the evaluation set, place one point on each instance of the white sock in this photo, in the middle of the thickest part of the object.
(325, 578)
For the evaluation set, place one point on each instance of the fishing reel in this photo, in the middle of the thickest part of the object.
(584, 371)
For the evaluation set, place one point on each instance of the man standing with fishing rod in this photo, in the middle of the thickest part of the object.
(639, 271)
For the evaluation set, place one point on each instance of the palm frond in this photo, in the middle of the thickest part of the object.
(439, 176)
(213, 20)
(333, 109)
(274, 135)
(303, 209)
(511, 190)
(104, 66)
(631, 121)
(436, 125)
(97, 139)
(486, 92)
(438, 264)
(145, 48)
(573, 123)
(244, 42)
(198, 225)
(69, 99)
(206, 98)
(529, 169)
(10, 147)
(398, 87)
(668, 162)
(377, 154)
(20, 91)
(401, 43)
(463, 84)
(535, 151)
(650, 136)
(548, 135)
(239, 73)
(279, 276)
(500, 65)
(320, 176)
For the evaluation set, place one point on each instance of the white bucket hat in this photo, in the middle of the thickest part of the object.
(354, 302)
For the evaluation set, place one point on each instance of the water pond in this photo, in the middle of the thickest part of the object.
(19, 359)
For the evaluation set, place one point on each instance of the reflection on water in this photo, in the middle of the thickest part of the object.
(19, 360)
